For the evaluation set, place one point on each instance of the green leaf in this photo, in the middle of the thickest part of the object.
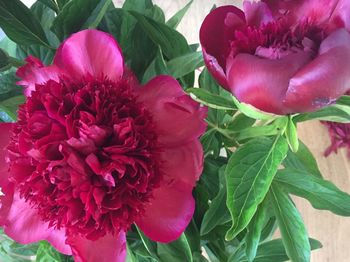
(302, 160)
(137, 5)
(292, 135)
(210, 142)
(176, 251)
(5, 63)
(339, 112)
(156, 13)
(249, 174)
(20, 25)
(183, 65)
(96, 16)
(9, 46)
(130, 257)
(217, 214)
(68, 22)
(8, 87)
(51, 4)
(253, 112)
(291, 225)
(320, 193)
(175, 20)
(47, 253)
(254, 230)
(61, 3)
(157, 67)
(173, 44)
(150, 246)
(240, 122)
(214, 101)
(274, 251)
(8, 108)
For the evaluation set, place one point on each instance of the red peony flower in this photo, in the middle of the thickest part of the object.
(280, 56)
(93, 152)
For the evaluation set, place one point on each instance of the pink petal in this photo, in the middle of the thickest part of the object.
(323, 80)
(5, 130)
(184, 162)
(299, 10)
(106, 249)
(169, 213)
(90, 52)
(340, 17)
(216, 33)
(35, 72)
(264, 82)
(177, 117)
(21, 222)
(257, 13)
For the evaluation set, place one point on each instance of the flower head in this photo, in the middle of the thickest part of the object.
(93, 152)
(280, 56)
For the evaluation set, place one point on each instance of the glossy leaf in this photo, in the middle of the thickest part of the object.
(175, 20)
(211, 100)
(292, 135)
(157, 67)
(8, 108)
(5, 62)
(302, 160)
(51, 4)
(173, 44)
(183, 65)
(150, 246)
(137, 5)
(322, 194)
(176, 251)
(293, 231)
(20, 25)
(249, 174)
(254, 230)
(47, 253)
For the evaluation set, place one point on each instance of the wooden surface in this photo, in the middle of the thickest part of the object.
(333, 231)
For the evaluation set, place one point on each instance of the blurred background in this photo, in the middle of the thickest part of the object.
(331, 230)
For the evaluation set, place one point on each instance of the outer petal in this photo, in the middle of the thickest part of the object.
(183, 162)
(257, 13)
(21, 222)
(34, 72)
(90, 52)
(264, 82)
(177, 117)
(5, 130)
(216, 33)
(316, 10)
(106, 249)
(169, 213)
(340, 17)
(323, 80)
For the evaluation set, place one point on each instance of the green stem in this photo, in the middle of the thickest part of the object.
(16, 62)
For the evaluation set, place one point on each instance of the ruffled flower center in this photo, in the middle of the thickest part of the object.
(85, 155)
(277, 39)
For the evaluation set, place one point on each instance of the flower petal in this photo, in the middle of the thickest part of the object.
(216, 33)
(5, 130)
(177, 117)
(298, 10)
(90, 52)
(35, 72)
(264, 82)
(22, 223)
(169, 213)
(183, 162)
(340, 17)
(105, 249)
(257, 13)
(323, 80)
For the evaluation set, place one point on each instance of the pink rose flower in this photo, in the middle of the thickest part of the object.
(93, 152)
(280, 56)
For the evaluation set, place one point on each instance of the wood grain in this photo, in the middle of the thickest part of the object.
(333, 231)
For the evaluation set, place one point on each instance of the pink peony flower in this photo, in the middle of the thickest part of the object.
(280, 56)
(93, 152)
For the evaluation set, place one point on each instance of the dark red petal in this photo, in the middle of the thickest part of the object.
(35, 72)
(5, 130)
(264, 82)
(183, 162)
(323, 80)
(23, 224)
(105, 249)
(177, 117)
(169, 213)
(257, 13)
(90, 52)
(216, 33)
